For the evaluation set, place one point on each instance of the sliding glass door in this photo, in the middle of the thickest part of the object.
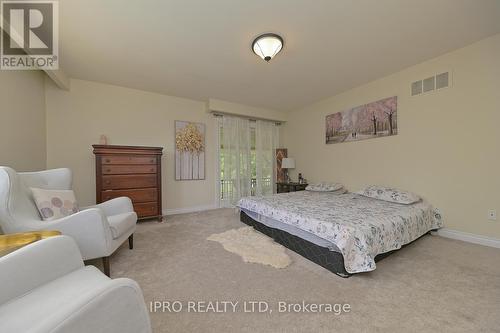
(246, 158)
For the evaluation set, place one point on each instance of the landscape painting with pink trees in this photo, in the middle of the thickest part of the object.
(372, 120)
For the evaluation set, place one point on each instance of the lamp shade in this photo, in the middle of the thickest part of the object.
(267, 46)
(288, 163)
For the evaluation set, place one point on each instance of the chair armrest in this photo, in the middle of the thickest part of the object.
(89, 228)
(117, 307)
(116, 206)
(37, 264)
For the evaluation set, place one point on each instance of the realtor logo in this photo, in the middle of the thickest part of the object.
(30, 34)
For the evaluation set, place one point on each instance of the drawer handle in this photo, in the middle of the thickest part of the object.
(108, 160)
(152, 169)
(108, 182)
(108, 170)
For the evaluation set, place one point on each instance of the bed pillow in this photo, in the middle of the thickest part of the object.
(324, 187)
(54, 204)
(390, 194)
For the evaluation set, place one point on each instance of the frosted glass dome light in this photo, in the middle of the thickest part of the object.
(267, 46)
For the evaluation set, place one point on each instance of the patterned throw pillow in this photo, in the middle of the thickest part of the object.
(390, 194)
(324, 187)
(54, 204)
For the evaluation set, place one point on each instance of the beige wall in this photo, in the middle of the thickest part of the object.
(447, 148)
(22, 120)
(77, 118)
(217, 105)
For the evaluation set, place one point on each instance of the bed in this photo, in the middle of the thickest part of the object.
(344, 233)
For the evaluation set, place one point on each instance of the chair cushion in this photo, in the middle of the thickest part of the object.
(121, 223)
(60, 298)
(54, 204)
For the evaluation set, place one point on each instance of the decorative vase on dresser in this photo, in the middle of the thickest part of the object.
(130, 171)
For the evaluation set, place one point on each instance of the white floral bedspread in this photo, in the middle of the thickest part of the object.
(360, 227)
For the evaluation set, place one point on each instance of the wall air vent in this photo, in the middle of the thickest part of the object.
(416, 88)
(431, 83)
(442, 80)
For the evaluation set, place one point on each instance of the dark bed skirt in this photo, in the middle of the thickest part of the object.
(332, 261)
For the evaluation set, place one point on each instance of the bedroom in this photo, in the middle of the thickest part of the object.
(174, 106)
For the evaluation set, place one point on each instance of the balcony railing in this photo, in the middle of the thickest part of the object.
(226, 186)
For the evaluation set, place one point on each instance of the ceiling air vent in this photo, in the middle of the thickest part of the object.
(432, 83)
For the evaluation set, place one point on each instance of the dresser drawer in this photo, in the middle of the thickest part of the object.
(146, 209)
(137, 196)
(128, 159)
(111, 169)
(117, 182)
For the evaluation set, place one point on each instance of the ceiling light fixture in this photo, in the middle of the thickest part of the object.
(267, 46)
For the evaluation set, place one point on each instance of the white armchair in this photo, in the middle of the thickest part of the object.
(46, 288)
(98, 230)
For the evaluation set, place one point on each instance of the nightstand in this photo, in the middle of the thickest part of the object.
(290, 187)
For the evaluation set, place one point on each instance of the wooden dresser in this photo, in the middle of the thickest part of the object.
(133, 172)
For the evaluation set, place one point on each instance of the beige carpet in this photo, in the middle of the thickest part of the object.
(253, 247)
(433, 285)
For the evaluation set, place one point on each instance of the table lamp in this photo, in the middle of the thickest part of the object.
(287, 163)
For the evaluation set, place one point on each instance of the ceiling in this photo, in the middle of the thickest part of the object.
(201, 49)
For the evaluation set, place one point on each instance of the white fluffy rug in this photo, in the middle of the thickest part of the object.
(253, 247)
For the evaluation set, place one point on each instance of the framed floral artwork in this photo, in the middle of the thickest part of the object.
(189, 150)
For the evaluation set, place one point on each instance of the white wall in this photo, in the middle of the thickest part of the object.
(77, 118)
(22, 120)
(447, 148)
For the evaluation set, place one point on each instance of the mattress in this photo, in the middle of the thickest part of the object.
(331, 260)
(359, 227)
(273, 223)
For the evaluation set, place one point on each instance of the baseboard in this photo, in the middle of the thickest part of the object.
(174, 211)
(468, 237)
